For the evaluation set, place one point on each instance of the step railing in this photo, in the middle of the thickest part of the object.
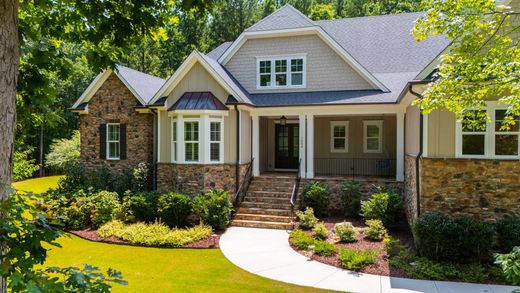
(239, 195)
(296, 185)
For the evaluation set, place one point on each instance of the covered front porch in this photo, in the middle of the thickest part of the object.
(347, 142)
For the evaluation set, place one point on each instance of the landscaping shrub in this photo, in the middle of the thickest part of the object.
(299, 239)
(76, 214)
(142, 206)
(351, 198)
(23, 166)
(510, 265)
(375, 231)
(307, 218)
(316, 195)
(141, 176)
(213, 208)
(356, 259)
(64, 153)
(320, 231)
(439, 237)
(324, 248)
(386, 207)
(508, 233)
(103, 205)
(345, 232)
(155, 234)
(174, 208)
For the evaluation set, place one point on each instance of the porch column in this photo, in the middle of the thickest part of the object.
(302, 142)
(310, 146)
(399, 156)
(256, 145)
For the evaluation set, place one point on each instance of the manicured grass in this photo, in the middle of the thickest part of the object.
(37, 185)
(165, 270)
(156, 269)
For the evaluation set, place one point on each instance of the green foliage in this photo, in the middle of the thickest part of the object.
(76, 214)
(393, 246)
(141, 176)
(356, 259)
(213, 208)
(508, 233)
(322, 11)
(324, 248)
(439, 237)
(316, 195)
(510, 265)
(307, 218)
(375, 231)
(482, 61)
(351, 198)
(299, 239)
(346, 232)
(155, 234)
(142, 206)
(64, 153)
(25, 232)
(386, 207)
(103, 205)
(23, 166)
(174, 208)
(320, 231)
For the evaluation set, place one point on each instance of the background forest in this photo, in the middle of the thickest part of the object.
(53, 75)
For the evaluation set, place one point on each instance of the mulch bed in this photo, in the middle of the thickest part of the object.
(91, 234)
(381, 266)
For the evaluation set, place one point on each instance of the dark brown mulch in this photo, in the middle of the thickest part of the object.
(381, 266)
(91, 234)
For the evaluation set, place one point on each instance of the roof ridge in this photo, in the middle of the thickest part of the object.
(130, 68)
(286, 6)
(317, 22)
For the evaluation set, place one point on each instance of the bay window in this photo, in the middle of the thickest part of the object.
(191, 141)
(215, 141)
(483, 134)
(281, 72)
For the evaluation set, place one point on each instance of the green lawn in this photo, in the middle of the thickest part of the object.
(156, 269)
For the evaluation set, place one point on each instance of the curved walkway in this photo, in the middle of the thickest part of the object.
(267, 253)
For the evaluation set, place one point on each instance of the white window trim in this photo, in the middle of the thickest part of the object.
(220, 142)
(288, 59)
(112, 141)
(332, 125)
(175, 140)
(489, 139)
(378, 123)
(204, 139)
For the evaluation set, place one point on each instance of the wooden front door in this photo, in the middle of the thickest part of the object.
(287, 146)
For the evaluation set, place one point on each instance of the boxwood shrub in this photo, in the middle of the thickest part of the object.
(316, 195)
(213, 208)
(174, 208)
(508, 233)
(462, 239)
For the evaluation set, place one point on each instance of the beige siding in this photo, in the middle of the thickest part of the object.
(230, 138)
(441, 134)
(245, 137)
(412, 130)
(355, 148)
(165, 137)
(326, 70)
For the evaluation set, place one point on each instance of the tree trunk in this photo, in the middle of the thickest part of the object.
(9, 61)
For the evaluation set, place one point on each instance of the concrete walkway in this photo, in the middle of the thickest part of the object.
(267, 253)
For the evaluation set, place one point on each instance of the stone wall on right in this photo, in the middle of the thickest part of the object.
(484, 189)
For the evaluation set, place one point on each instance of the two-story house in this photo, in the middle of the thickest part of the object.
(328, 99)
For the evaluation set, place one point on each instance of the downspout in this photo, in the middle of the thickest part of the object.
(237, 166)
(155, 143)
(419, 155)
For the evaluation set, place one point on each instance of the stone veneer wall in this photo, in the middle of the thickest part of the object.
(410, 188)
(193, 178)
(485, 189)
(367, 188)
(114, 102)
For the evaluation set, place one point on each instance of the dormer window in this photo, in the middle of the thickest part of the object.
(281, 72)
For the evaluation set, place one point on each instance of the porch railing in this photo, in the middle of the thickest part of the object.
(239, 195)
(355, 167)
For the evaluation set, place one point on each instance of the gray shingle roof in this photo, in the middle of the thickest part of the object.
(218, 51)
(286, 17)
(198, 101)
(143, 84)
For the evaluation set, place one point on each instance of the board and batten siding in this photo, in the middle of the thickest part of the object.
(412, 130)
(326, 70)
(441, 134)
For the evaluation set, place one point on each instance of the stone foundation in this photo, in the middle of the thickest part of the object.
(484, 189)
(192, 179)
(410, 188)
(368, 187)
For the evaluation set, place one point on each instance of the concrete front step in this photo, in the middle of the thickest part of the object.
(266, 205)
(263, 218)
(261, 211)
(261, 224)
